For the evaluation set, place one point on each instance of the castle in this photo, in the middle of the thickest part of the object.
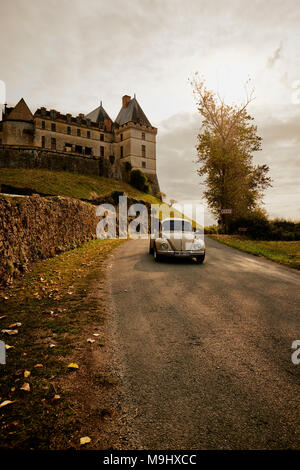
(91, 143)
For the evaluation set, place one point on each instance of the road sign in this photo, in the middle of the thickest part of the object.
(226, 211)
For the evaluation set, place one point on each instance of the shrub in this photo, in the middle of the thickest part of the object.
(140, 181)
(128, 167)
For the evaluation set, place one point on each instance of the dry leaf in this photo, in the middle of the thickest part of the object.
(3, 316)
(52, 345)
(84, 440)
(13, 389)
(10, 332)
(96, 334)
(6, 402)
(7, 346)
(38, 365)
(56, 397)
(25, 387)
(26, 373)
(15, 324)
(73, 365)
(89, 340)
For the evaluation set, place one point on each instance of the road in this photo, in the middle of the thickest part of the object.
(206, 349)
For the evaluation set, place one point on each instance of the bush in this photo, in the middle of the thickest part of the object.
(211, 229)
(257, 224)
(140, 181)
(260, 228)
(128, 167)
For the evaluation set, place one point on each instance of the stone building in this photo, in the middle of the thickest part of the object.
(128, 142)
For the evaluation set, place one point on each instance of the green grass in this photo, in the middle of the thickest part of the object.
(42, 303)
(287, 253)
(62, 183)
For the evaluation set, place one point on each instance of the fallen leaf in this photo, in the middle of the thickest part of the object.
(96, 334)
(13, 389)
(84, 440)
(56, 397)
(7, 346)
(26, 373)
(73, 365)
(25, 387)
(38, 365)
(3, 316)
(15, 324)
(52, 346)
(89, 340)
(6, 402)
(10, 332)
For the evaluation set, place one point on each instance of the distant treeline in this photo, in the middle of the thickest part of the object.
(260, 228)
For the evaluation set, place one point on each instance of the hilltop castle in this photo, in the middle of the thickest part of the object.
(91, 143)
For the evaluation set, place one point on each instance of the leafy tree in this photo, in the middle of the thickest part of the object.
(226, 143)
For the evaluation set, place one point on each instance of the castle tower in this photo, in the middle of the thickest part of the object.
(17, 125)
(135, 138)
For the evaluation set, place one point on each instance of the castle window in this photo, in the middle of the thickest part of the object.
(143, 136)
(101, 151)
(43, 124)
(102, 137)
(53, 143)
(121, 152)
(143, 150)
(143, 164)
(53, 127)
(88, 150)
(69, 130)
(68, 147)
(88, 134)
(79, 132)
(43, 141)
(121, 137)
(78, 148)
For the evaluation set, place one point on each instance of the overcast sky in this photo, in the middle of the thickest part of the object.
(70, 54)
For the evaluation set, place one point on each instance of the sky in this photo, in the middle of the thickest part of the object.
(70, 54)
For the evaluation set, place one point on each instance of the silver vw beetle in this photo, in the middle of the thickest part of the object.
(177, 238)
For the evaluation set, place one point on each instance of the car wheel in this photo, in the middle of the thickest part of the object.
(157, 257)
(200, 259)
(150, 250)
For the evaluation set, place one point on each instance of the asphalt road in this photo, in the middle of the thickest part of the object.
(206, 349)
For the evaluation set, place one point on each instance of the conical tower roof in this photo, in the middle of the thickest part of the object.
(20, 112)
(132, 112)
(98, 115)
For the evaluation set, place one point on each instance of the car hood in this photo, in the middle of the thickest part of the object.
(181, 241)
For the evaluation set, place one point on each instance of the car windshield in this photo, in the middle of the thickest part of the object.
(177, 226)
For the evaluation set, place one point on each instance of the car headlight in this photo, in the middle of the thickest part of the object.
(164, 246)
(197, 246)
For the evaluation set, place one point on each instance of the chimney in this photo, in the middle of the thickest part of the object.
(107, 125)
(125, 100)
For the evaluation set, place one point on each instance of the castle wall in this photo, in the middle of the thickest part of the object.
(17, 133)
(62, 137)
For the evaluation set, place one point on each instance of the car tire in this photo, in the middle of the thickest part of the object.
(156, 256)
(150, 250)
(200, 259)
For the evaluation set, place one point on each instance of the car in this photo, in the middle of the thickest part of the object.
(177, 238)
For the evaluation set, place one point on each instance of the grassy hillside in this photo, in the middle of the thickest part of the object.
(61, 183)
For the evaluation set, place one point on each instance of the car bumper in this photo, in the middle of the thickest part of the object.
(181, 254)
